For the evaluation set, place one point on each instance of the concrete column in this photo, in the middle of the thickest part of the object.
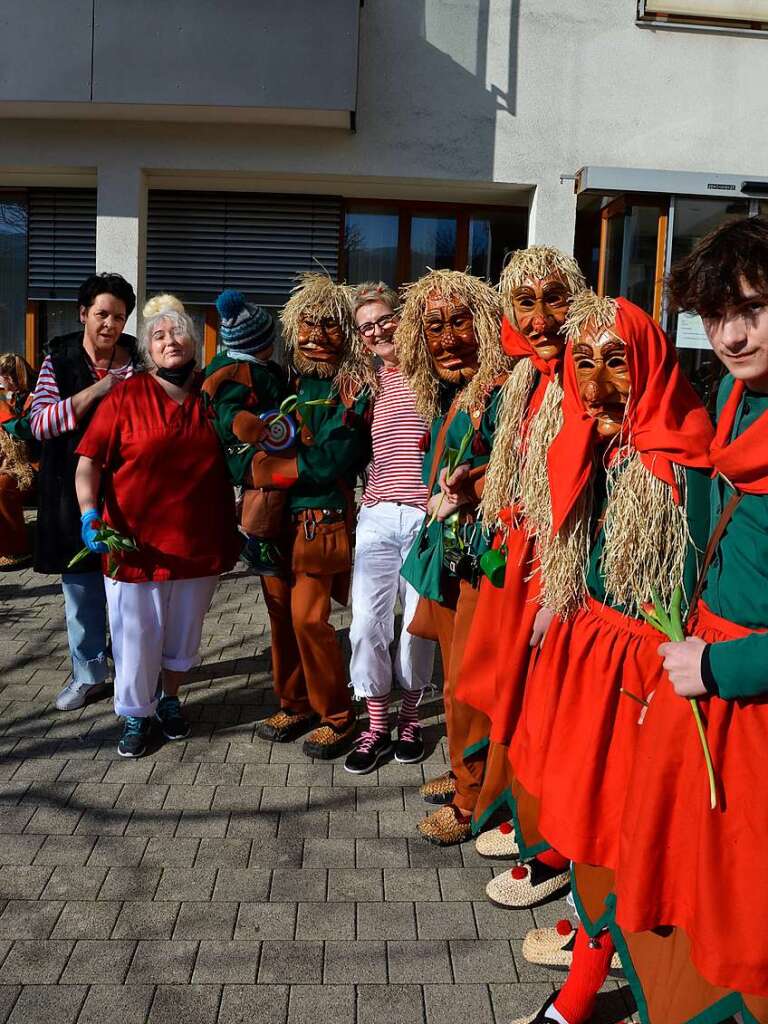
(121, 222)
(553, 215)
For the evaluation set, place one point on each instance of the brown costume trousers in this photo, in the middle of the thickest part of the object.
(307, 663)
(13, 535)
(464, 725)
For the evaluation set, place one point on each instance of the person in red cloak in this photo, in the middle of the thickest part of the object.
(628, 488)
(536, 286)
(690, 864)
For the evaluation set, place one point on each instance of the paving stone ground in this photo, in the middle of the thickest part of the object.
(223, 879)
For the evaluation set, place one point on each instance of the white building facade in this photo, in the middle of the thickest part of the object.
(199, 144)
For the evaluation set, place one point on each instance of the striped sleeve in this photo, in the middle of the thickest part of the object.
(50, 415)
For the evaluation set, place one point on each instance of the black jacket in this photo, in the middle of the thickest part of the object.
(58, 514)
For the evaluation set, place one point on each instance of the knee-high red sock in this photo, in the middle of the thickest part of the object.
(589, 969)
(553, 859)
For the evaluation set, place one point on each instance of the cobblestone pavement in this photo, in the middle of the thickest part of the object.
(223, 879)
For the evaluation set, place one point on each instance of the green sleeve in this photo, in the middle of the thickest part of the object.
(339, 450)
(740, 667)
(230, 399)
(698, 485)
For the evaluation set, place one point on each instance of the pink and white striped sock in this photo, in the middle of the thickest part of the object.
(408, 715)
(378, 712)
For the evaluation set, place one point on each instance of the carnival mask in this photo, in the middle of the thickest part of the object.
(540, 307)
(449, 328)
(602, 371)
(319, 345)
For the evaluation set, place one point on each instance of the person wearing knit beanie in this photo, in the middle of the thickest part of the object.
(244, 386)
(247, 331)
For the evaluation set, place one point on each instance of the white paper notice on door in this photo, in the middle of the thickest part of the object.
(690, 331)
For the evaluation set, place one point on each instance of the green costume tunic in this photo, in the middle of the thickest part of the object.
(424, 566)
(269, 386)
(737, 580)
(340, 450)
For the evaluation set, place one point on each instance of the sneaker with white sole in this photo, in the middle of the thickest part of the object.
(171, 718)
(136, 731)
(77, 695)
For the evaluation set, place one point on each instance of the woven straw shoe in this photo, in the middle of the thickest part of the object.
(553, 947)
(440, 790)
(443, 827)
(283, 726)
(526, 886)
(326, 741)
(498, 843)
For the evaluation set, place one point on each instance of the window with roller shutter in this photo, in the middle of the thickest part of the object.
(199, 243)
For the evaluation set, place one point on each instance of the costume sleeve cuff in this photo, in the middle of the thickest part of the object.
(707, 675)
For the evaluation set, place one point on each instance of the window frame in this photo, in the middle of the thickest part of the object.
(646, 18)
(406, 210)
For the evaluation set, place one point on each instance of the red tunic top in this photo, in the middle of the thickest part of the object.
(165, 483)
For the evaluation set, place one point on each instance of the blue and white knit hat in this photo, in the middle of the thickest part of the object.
(245, 327)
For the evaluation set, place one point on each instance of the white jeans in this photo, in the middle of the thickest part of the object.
(154, 626)
(385, 533)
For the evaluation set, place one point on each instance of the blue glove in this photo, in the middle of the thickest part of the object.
(91, 523)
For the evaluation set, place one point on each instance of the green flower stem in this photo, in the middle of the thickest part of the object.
(671, 624)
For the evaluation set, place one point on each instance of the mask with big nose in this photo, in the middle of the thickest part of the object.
(540, 306)
(449, 328)
(602, 372)
(319, 345)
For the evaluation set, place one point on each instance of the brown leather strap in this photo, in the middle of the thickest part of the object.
(437, 456)
(717, 535)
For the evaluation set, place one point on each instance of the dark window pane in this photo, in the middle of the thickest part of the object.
(13, 274)
(492, 237)
(57, 318)
(433, 244)
(370, 243)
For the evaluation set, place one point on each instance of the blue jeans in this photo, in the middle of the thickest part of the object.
(85, 608)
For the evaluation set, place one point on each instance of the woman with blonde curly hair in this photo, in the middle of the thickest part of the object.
(393, 506)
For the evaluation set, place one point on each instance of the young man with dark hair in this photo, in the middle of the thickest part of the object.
(693, 853)
(80, 369)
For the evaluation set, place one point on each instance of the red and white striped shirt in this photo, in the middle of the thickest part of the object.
(50, 414)
(395, 470)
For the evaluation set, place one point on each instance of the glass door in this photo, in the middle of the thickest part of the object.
(633, 238)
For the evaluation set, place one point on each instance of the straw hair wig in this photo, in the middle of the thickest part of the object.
(646, 530)
(518, 463)
(538, 262)
(315, 296)
(413, 350)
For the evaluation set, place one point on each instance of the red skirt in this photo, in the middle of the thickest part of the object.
(496, 657)
(683, 864)
(596, 675)
(529, 741)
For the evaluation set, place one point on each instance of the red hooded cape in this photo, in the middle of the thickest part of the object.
(665, 419)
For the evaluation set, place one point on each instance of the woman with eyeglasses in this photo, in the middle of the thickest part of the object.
(393, 506)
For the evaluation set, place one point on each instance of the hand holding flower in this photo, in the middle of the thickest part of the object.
(682, 663)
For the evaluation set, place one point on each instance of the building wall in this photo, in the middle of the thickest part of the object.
(457, 99)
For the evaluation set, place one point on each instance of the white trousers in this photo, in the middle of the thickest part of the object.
(385, 533)
(154, 626)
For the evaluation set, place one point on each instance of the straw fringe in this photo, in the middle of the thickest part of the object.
(534, 489)
(536, 263)
(413, 351)
(316, 295)
(502, 478)
(589, 310)
(646, 535)
(14, 461)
